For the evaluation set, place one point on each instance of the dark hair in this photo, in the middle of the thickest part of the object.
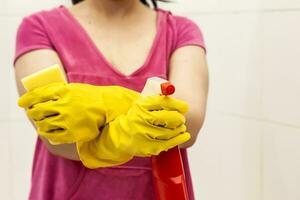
(154, 2)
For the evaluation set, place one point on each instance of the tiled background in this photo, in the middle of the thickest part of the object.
(249, 148)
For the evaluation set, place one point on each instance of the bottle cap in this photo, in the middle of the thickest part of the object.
(167, 88)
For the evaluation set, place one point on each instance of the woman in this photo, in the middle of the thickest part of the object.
(106, 42)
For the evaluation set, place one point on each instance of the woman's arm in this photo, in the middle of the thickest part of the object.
(28, 64)
(189, 73)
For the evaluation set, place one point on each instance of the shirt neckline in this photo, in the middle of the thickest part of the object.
(101, 55)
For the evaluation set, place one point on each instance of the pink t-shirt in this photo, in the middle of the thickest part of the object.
(56, 178)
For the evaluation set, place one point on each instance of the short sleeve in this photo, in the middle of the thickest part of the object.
(188, 33)
(31, 35)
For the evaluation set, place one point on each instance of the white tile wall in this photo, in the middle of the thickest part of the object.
(225, 163)
(234, 56)
(5, 163)
(281, 162)
(16, 147)
(200, 6)
(29, 6)
(281, 75)
(7, 50)
(249, 146)
(282, 4)
(4, 69)
(230, 6)
(3, 6)
(23, 138)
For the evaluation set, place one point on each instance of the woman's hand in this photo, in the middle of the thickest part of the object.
(152, 125)
(68, 113)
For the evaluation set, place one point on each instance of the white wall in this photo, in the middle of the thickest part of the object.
(249, 148)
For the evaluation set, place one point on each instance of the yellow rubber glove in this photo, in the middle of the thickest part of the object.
(153, 124)
(67, 113)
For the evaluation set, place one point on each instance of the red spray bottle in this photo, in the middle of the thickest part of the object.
(167, 168)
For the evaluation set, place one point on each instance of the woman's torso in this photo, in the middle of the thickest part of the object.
(55, 178)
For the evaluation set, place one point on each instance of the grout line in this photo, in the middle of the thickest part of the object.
(14, 16)
(262, 166)
(12, 120)
(260, 119)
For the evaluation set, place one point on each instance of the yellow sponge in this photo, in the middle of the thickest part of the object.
(43, 77)
(46, 76)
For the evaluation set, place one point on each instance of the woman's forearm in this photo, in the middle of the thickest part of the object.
(68, 151)
(194, 122)
(189, 73)
(32, 62)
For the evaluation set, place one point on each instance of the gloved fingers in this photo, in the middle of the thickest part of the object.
(55, 130)
(181, 138)
(51, 124)
(165, 118)
(160, 102)
(41, 94)
(43, 110)
(58, 136)
(161, 133)
(155, 147)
